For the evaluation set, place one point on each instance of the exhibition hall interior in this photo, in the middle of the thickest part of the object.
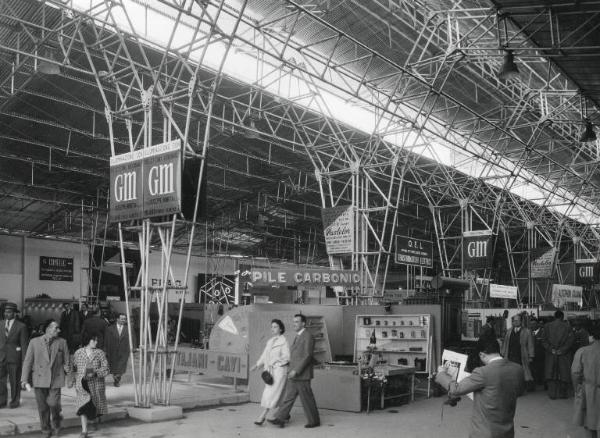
(299, 218)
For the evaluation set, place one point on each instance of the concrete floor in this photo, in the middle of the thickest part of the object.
(537, 416)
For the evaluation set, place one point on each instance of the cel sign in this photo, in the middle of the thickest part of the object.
(414, 252)
(146, 182)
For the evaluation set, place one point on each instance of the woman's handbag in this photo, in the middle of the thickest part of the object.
(267, 377)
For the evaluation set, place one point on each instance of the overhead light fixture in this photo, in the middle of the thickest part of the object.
(509, 69)
(250, 131)
(47, 67)
(588, 134)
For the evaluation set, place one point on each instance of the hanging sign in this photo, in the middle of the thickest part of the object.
(212, 362)
(414, 252)
(338, 227)
(586, 271)
(564, 293)
(146, 182)
(477, 249)
(295, 277)
(542, 262)
(502, 291)
(56, 268)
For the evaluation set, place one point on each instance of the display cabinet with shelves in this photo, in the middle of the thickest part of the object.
(399, 340)
(316, 326)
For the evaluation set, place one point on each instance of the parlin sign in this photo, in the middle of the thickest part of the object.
(146, 182)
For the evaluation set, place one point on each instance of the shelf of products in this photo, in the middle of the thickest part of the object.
(394, 340)
(316, 326)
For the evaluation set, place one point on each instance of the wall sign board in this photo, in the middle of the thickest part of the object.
(56, 268)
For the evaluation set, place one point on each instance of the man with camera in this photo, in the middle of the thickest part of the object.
(495, 387)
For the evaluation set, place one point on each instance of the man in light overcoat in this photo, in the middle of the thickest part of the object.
(495, 387)
(45, 366)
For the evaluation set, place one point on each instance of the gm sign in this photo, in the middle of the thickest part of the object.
(146, 182)
(477, 249)
(586, 271)
(125, 187)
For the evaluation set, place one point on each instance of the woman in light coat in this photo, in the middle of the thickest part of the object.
(91, 367)
(585, 374)
(274, 359)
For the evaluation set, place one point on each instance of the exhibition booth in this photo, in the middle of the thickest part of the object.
(354, 372)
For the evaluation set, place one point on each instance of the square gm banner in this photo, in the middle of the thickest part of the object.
(146, 182)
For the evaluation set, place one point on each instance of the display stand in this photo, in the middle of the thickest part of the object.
(399, 340)
(316, 326)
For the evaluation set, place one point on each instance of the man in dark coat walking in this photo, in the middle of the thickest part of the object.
(558, 340)
(299, 377)
(116, 345)
(70, 327)
(13, 345)
(95, 326)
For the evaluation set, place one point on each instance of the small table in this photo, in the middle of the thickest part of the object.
(391, 371)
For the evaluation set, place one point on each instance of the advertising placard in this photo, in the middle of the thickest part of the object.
(565, 293)
(477, 249)
(586, 271)
(212, 362)
(146, 182)
(295, 277)
(338, 227)
(416, 252)
(542, 262)
(502, 291)
(56, 268)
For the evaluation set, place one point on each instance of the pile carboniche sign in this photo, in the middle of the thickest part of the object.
(146, 182)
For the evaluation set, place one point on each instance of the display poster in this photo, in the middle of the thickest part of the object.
(197, 360)
(416, 252)
(146, 182)
(456, 364)
(586, 271)
(56, 268)
(338, 227)
(502, 291)
(542, 262)
(477, 249)
(564, 293)
(295, 277)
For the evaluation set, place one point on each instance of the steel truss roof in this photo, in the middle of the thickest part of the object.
(426, 71)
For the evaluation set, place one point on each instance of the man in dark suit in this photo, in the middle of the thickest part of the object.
(45, 366)
(537, 331)
(95, 326)
(299, 377)
(70, 326)
(558, 340)
(84, 313)
(495, 387)
(116, 344)
(13, 345)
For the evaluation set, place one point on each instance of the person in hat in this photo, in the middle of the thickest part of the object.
(13, 345)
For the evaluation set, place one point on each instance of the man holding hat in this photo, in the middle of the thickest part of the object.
(13, 345)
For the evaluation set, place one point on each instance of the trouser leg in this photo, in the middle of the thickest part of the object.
(308, 402)
(553, 388)
(3, 391)
(14, 377)
(291, 392)
(53, 401)
(41, 395)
